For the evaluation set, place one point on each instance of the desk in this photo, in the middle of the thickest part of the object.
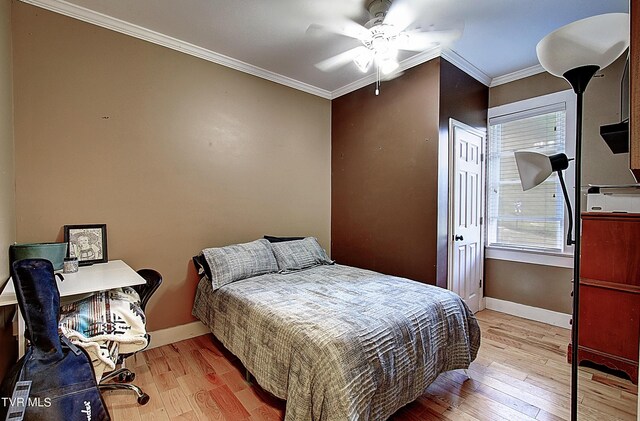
(88, 279)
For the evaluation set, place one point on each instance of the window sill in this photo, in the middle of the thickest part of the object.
(528, 256)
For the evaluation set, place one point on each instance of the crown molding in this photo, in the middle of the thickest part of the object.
(77, 12)
(518, 74)
(420, 58)
(462, 64)
(86, 15)
(403, 65)
(416, 60)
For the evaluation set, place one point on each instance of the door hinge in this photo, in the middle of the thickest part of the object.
(481, 157)
(481, 220)
(480, 285)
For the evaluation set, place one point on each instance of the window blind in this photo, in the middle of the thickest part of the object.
(533, 219)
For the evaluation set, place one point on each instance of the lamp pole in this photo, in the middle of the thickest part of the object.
(576, 52)
(579, 79)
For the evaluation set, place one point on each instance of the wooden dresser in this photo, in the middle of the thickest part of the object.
(610, 291)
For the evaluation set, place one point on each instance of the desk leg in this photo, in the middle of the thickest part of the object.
(21, 339)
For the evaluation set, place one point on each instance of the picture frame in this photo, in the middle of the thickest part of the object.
(87, 242)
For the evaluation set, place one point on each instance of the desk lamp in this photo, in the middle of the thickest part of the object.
(534, 168)
(576, 52)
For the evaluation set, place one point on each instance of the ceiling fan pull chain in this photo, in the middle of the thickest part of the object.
(378, 81)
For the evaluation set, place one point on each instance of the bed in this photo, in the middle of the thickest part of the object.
(336, 342)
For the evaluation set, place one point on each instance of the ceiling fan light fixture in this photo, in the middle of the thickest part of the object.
(384, 46)
(388, 66)
(388, 31)
(363, 60)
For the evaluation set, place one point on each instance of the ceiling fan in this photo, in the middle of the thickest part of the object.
(382, 37)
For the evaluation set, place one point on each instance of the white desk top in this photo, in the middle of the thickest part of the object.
(88, 279)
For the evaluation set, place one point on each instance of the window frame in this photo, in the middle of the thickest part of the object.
(564, 257)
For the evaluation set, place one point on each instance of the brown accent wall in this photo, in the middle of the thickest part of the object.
(464, 99)
(385, 168)
(172, 152)
(8, 345)
(384, 175)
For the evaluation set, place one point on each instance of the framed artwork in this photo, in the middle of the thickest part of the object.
(87, 242)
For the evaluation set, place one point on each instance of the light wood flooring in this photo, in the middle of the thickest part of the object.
(521, 373)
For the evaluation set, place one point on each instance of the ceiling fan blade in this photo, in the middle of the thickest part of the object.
(421, 41)
(400, 16)
(337, 61)
(347, 28)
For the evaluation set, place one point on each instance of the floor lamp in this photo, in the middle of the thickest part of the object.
(576, 52)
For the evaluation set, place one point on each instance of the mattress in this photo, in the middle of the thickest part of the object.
(338, 342)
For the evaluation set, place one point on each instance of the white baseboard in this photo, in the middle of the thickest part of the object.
(527, 312)
(177, 333)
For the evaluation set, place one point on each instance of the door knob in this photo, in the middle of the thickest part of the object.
(458, 238)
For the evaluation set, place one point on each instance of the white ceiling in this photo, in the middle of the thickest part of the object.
(268, 38)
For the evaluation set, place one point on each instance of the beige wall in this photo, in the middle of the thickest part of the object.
(529, 87)
(173, 153)
(8, 346)
(539, 286)
(547, 286)
(602, 106)
(7, 181)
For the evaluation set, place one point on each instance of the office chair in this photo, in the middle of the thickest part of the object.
(123, 376)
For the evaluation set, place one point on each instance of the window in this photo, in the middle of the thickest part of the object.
(534, 220)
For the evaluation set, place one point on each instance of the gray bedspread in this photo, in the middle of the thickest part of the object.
(340, 343)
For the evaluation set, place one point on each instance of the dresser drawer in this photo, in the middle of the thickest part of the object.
(609, 319)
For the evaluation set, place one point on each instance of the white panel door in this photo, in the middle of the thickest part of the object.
(466, 255)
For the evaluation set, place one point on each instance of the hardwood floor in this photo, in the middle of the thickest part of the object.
(520, 374)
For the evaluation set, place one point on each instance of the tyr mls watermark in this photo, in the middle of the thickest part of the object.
(24, 402)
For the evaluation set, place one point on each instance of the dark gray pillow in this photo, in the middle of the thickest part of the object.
(201, 265)
(239, 261)
(274, 239)
(299, 254)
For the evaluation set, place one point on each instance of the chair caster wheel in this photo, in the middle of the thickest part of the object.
(144, 399)
(125, 377)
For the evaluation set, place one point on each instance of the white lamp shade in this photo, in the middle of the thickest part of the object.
(597, 40)
(533, 168)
